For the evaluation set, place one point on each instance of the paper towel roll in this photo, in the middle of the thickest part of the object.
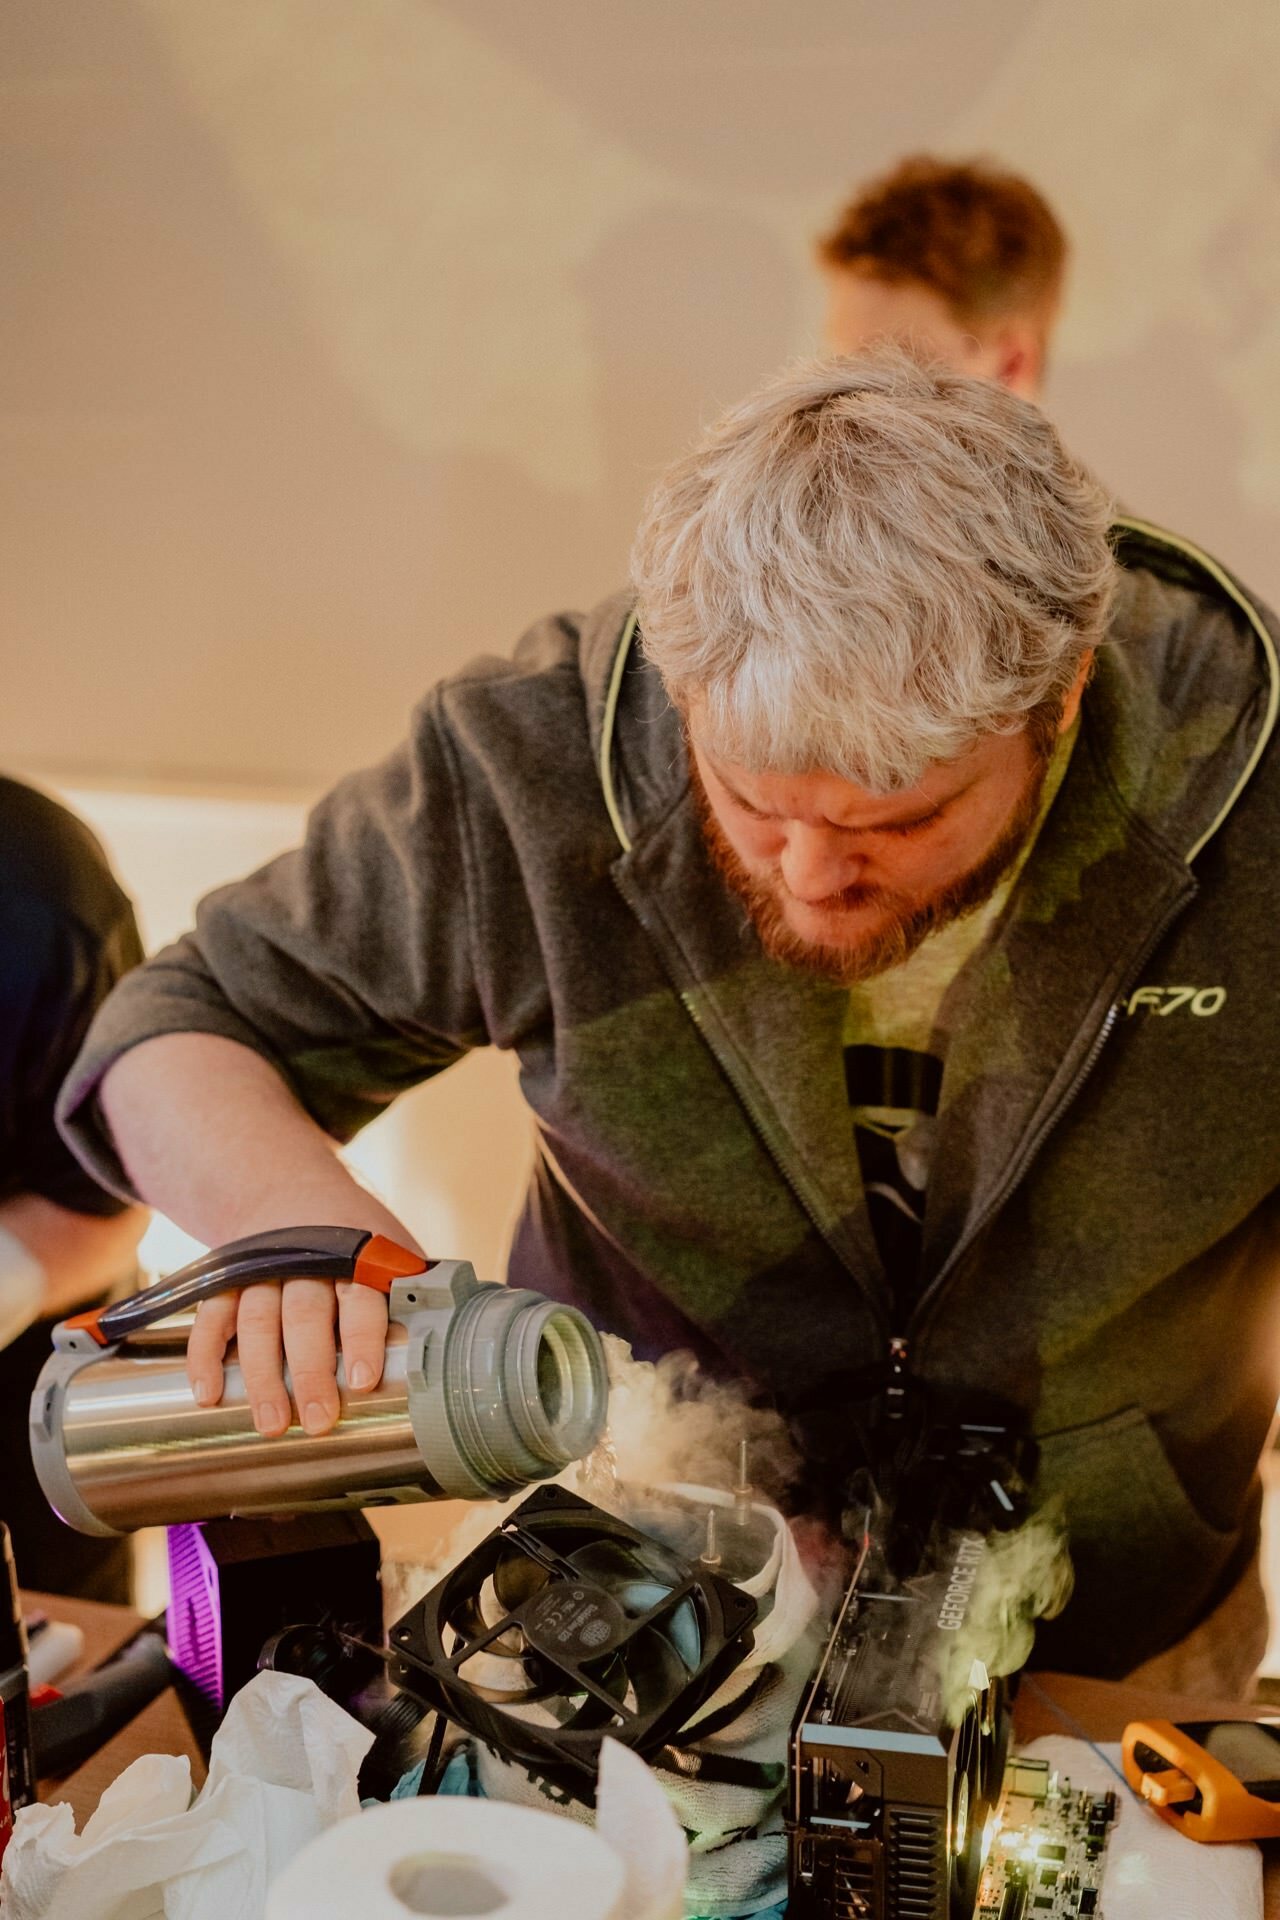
(428, 1859)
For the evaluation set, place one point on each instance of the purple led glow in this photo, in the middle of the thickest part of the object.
(194, 1616)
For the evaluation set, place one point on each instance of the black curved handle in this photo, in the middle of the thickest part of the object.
(287, 1253)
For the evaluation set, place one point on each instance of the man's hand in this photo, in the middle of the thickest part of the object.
(211, 1136)
(300, 1316)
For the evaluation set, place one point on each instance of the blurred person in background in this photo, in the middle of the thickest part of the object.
(961, 262)
(67, 934)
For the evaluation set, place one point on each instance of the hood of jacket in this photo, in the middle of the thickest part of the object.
(1182, 702)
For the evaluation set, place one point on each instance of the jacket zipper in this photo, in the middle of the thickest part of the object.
(794, 1179)
(1020, 1166)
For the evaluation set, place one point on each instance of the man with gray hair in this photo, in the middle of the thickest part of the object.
(875, 899)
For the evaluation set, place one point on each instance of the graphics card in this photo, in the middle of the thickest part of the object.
(891, 1792)
(898, 1751)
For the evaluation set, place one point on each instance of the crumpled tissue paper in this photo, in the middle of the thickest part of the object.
(283, 1767)
(1150, 1871)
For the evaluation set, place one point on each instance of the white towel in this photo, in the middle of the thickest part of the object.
(737, 1846)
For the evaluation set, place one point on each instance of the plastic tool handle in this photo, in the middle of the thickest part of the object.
(1220, 1806)
(90, 1710)
(313, 1253)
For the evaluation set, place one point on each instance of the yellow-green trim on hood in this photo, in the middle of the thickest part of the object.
(1222, 579)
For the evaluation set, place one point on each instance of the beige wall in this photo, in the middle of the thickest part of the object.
(452, 1157)
(341, 337)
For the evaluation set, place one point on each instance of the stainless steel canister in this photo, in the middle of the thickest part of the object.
(485, 1389)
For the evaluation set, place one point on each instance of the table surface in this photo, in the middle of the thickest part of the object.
(161, 1727)
(1102, 1709)
(1057, 1703)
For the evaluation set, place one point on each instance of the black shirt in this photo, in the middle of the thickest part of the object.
(67, 933)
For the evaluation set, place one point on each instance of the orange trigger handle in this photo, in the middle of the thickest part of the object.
(381, 1262)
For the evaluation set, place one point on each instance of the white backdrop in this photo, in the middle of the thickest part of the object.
(340, 338)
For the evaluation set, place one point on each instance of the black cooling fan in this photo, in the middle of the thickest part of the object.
(566, 1627)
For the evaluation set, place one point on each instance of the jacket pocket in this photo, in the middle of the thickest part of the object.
(1147, 1563)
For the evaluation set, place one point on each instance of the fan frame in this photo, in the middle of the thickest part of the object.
(546, 1527)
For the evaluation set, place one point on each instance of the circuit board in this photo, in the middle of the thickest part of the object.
(1047, 1848)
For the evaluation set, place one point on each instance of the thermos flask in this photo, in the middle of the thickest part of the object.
(485, 1389)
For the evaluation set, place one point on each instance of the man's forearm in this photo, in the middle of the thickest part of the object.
(210, 1135)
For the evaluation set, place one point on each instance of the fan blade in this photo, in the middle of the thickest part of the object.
(504, 1701)
(501, 1678)
(683, 1628)
(562, 1701)
(516, 1578)
(474, 1615)
(655, 1670)
(607, 1563)
(965, 1821)
(628, 1579)
(465, 1618)
(679, 1623)
(611, 1563)
(578, 1708)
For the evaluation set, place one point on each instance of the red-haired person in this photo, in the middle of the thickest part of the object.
(962, 262)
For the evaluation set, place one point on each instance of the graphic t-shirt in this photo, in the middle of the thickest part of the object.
(895, 1048)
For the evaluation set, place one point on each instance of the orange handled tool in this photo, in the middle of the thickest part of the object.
(1213, 1780)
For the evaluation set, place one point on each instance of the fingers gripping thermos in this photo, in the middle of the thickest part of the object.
(485, 1389)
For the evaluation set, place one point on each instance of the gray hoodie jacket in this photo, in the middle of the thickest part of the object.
(527, 871)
